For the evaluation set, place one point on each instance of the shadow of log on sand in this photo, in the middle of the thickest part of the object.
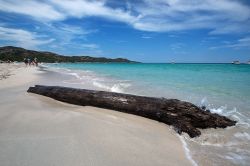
(184, 116)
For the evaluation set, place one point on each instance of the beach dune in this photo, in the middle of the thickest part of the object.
(36, 130)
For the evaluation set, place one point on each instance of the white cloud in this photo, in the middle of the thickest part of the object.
(76, 30)
(90, 46)
(219, 16)
(91, 49)
(146, 37)
(239, 44)
(56, 10)
(175, 15)
(22, 37)
(66, 35)
(35, 9)
(84, 8)
(177, 46)
(68, 32)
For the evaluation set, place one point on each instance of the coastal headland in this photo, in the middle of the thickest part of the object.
(11, 53)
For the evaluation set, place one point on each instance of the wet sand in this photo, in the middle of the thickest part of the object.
(35, 130)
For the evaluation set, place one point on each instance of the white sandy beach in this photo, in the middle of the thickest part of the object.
(38, 131)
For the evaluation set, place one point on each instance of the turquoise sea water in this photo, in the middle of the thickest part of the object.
(216, 83)
(223, 88)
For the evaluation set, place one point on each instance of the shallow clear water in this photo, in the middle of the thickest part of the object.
(223, 88)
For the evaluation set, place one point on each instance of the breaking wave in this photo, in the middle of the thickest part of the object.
(117, 87)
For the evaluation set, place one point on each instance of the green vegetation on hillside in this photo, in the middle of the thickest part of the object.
(18, 54)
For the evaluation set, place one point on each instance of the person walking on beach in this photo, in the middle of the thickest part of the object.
(25, 61)
(29, 61)
(35, 61)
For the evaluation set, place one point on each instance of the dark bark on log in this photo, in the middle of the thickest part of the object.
(184, 116)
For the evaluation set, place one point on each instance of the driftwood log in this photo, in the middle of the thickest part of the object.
(184, 116)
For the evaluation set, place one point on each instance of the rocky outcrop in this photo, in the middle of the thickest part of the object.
(184, 116)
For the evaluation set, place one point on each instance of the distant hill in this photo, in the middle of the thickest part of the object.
(18, 54)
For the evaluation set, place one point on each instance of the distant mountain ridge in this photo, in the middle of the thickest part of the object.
(18, 54)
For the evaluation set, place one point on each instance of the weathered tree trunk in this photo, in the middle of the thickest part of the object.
(184, 116)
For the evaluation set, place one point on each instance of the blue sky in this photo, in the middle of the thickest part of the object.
(141, 30)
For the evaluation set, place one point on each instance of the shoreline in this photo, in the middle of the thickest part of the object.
(87, 135)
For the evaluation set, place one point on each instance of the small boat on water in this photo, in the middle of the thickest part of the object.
(236, 62)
